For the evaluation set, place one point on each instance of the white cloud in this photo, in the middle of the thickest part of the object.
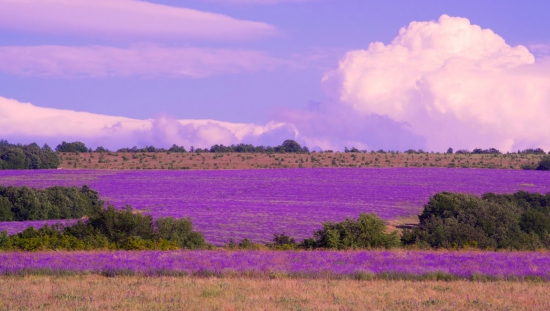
(123, 20)
(145, 60)
(456, 84)
(24, 122)
(329, 127)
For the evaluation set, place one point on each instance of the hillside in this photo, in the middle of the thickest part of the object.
(171, 160)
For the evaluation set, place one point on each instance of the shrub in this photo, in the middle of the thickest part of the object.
(121, 225)
(24, 203)
(367, 232)
(179, 231)
(544, 164)
(108, 228)
(455, 220)
(283, 242)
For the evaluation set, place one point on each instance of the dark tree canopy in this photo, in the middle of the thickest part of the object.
(24, 203)
(486, 151)
(532, 151)
(544, 164)
(18, 157)
(288, 146)
(518, 221)
(76, 146)
(101, 149)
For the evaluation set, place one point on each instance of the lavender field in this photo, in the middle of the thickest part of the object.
(256, 204)
(498, 265)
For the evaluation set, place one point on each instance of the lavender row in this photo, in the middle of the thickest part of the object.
(256, 204)
(460, 264)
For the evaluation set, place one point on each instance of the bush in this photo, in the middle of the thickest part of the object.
(179, 231)
(118, 226)
(455, 220)
(108, 228)
(367, 232)
(544, 164)
(24, 203)
(283, 242)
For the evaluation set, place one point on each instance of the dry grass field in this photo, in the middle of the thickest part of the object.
(208, 161)
(92, 292)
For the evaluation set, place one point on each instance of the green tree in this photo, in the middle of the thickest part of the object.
(368, 231)
(76, 146)
(544, 164)
(290, 145)
(5, 210)
(14, 159)
(179, 231)
(119, 225)
(461, 220)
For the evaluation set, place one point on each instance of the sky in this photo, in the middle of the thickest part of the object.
(330, 74)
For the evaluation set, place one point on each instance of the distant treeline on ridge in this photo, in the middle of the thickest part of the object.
(288, 146)
(18, 156)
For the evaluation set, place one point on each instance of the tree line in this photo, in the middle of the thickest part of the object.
(18, 156)
(288, 146)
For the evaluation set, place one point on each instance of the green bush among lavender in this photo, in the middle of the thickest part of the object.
(367, 232)
(255, 204)
(544, 164)
(519, 221)
(24, 203)
(109, 228)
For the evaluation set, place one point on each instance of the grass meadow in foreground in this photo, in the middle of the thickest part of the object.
(93, 292)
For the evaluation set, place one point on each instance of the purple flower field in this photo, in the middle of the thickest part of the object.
(499, 265)
(256, 204)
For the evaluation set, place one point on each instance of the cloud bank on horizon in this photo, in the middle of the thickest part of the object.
(26, 123)
(438, 84)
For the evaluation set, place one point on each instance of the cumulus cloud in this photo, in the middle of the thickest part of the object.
(124, 19)
(25, 123)
(454, 83)
(141, 60)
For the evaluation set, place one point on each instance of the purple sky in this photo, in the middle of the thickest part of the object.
(200, 72)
